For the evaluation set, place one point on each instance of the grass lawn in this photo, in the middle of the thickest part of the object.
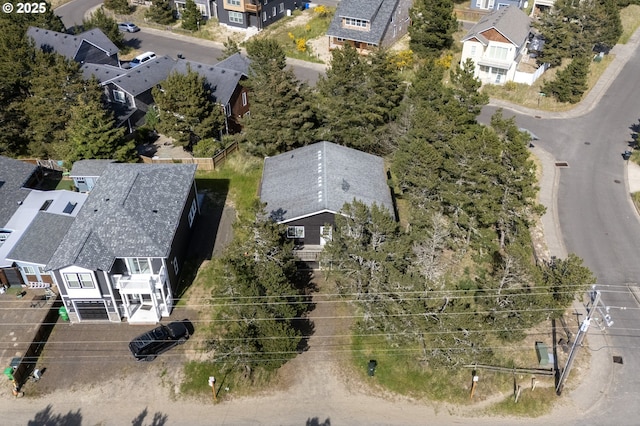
(630, 17)
(310, 25)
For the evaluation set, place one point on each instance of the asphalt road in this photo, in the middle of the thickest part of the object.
(598, 221)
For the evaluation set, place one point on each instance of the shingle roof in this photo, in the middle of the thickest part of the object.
(133, 210)
(14, 174)
(236, 62)
(86, 168)
(68, 45)
(144, 77)
(320, 177)
(222, 81)
(378, 12)
(102, 72)
(510, 21)
(42, 238)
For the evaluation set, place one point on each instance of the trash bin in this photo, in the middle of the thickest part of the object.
(9, 373)
(626, 155)
(372, 367)
(63, 313)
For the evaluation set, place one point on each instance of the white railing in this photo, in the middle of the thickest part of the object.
(38, 284)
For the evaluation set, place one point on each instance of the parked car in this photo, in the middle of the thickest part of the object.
(128, 27)
(141, 59)
(149, 345)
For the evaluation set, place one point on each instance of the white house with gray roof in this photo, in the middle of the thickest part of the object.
(305, 189)
(367, 24)
(497, 45)
(122, 255)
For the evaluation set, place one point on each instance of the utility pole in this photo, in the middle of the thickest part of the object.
(584, 327)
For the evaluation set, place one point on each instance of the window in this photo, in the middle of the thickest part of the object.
(235, 17)
(79, 180)
(227, 109)
(138, 266)
(244, 98)
(273, 11)
(41, 270)
(233, 2)
(69, 208)
(45, 205)
(473, 50)
(176, 268)
(352, 22)
(79, 280)
(29, 270)
(3, 236)
(192, 212)
(497, 52)
(295, 232)
(118, 96)
(281, 7)
(264, 16)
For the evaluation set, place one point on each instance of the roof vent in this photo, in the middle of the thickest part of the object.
(345, 185)
(155, 210)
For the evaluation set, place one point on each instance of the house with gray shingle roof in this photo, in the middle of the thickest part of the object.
(497, 45)
(367, 24)
(305, 189)
(122, 255)
(225, 83)
(91, 46)
(85, 173)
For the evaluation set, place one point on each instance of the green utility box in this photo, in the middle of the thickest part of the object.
(63, 313)
(543, 353)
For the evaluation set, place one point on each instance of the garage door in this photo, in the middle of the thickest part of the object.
(91, 311)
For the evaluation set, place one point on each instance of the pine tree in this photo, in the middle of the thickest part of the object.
(92, 133)
(359, 98)
(466, 90)
(108, 25)
(571, 82)
(118, 6)
(230, 49)
(282, 116)
(187, 110)
(432, 26)
(191, 16)
(161, 12)
(47, 106)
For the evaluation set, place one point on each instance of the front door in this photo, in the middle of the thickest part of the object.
(325, 234)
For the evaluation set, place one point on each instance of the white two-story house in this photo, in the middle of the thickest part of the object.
(497, 44)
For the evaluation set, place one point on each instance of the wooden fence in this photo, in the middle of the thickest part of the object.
(47, 164)
(206, 164)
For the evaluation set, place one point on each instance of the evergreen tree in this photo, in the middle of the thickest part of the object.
(282, 116)
(92, 133)
(230, 48)
(161, 12)
(108, 25)
(191, 16)
(187, 110)
(118, 6)
(259, 281)
(466, 91)
(564, 279)
(432, 26)
(47, 106)
(359, 98)
(571, 82)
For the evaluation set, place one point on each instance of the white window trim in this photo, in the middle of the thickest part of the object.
(233, 2)
(28, 270)
(238, 17)
(244, 98)
(192, 212)
(295, 232)
(131, 262)
(176, 267)
(119, 96)
(81, 283)
(281, 7)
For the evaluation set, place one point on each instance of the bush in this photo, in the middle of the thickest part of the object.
(118, 6)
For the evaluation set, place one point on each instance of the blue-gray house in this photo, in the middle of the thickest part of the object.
(491, 5)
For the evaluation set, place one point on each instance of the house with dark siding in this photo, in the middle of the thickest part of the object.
(369, 24)
(254, 13)
(115, 253)
(306, 188)
(91, 46)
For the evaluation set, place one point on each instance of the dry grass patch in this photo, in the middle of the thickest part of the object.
(630, 17)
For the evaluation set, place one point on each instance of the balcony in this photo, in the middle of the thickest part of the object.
(252, 6)
(140, 283)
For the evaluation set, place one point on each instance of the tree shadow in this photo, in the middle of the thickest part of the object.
(635, 130)
(304, 282)
(158, 419)
(49, 418)
(212, 197)
(316, 422)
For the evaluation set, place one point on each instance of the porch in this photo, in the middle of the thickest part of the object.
(145, 298)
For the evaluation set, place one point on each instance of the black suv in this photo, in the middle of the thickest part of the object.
(162, 338)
